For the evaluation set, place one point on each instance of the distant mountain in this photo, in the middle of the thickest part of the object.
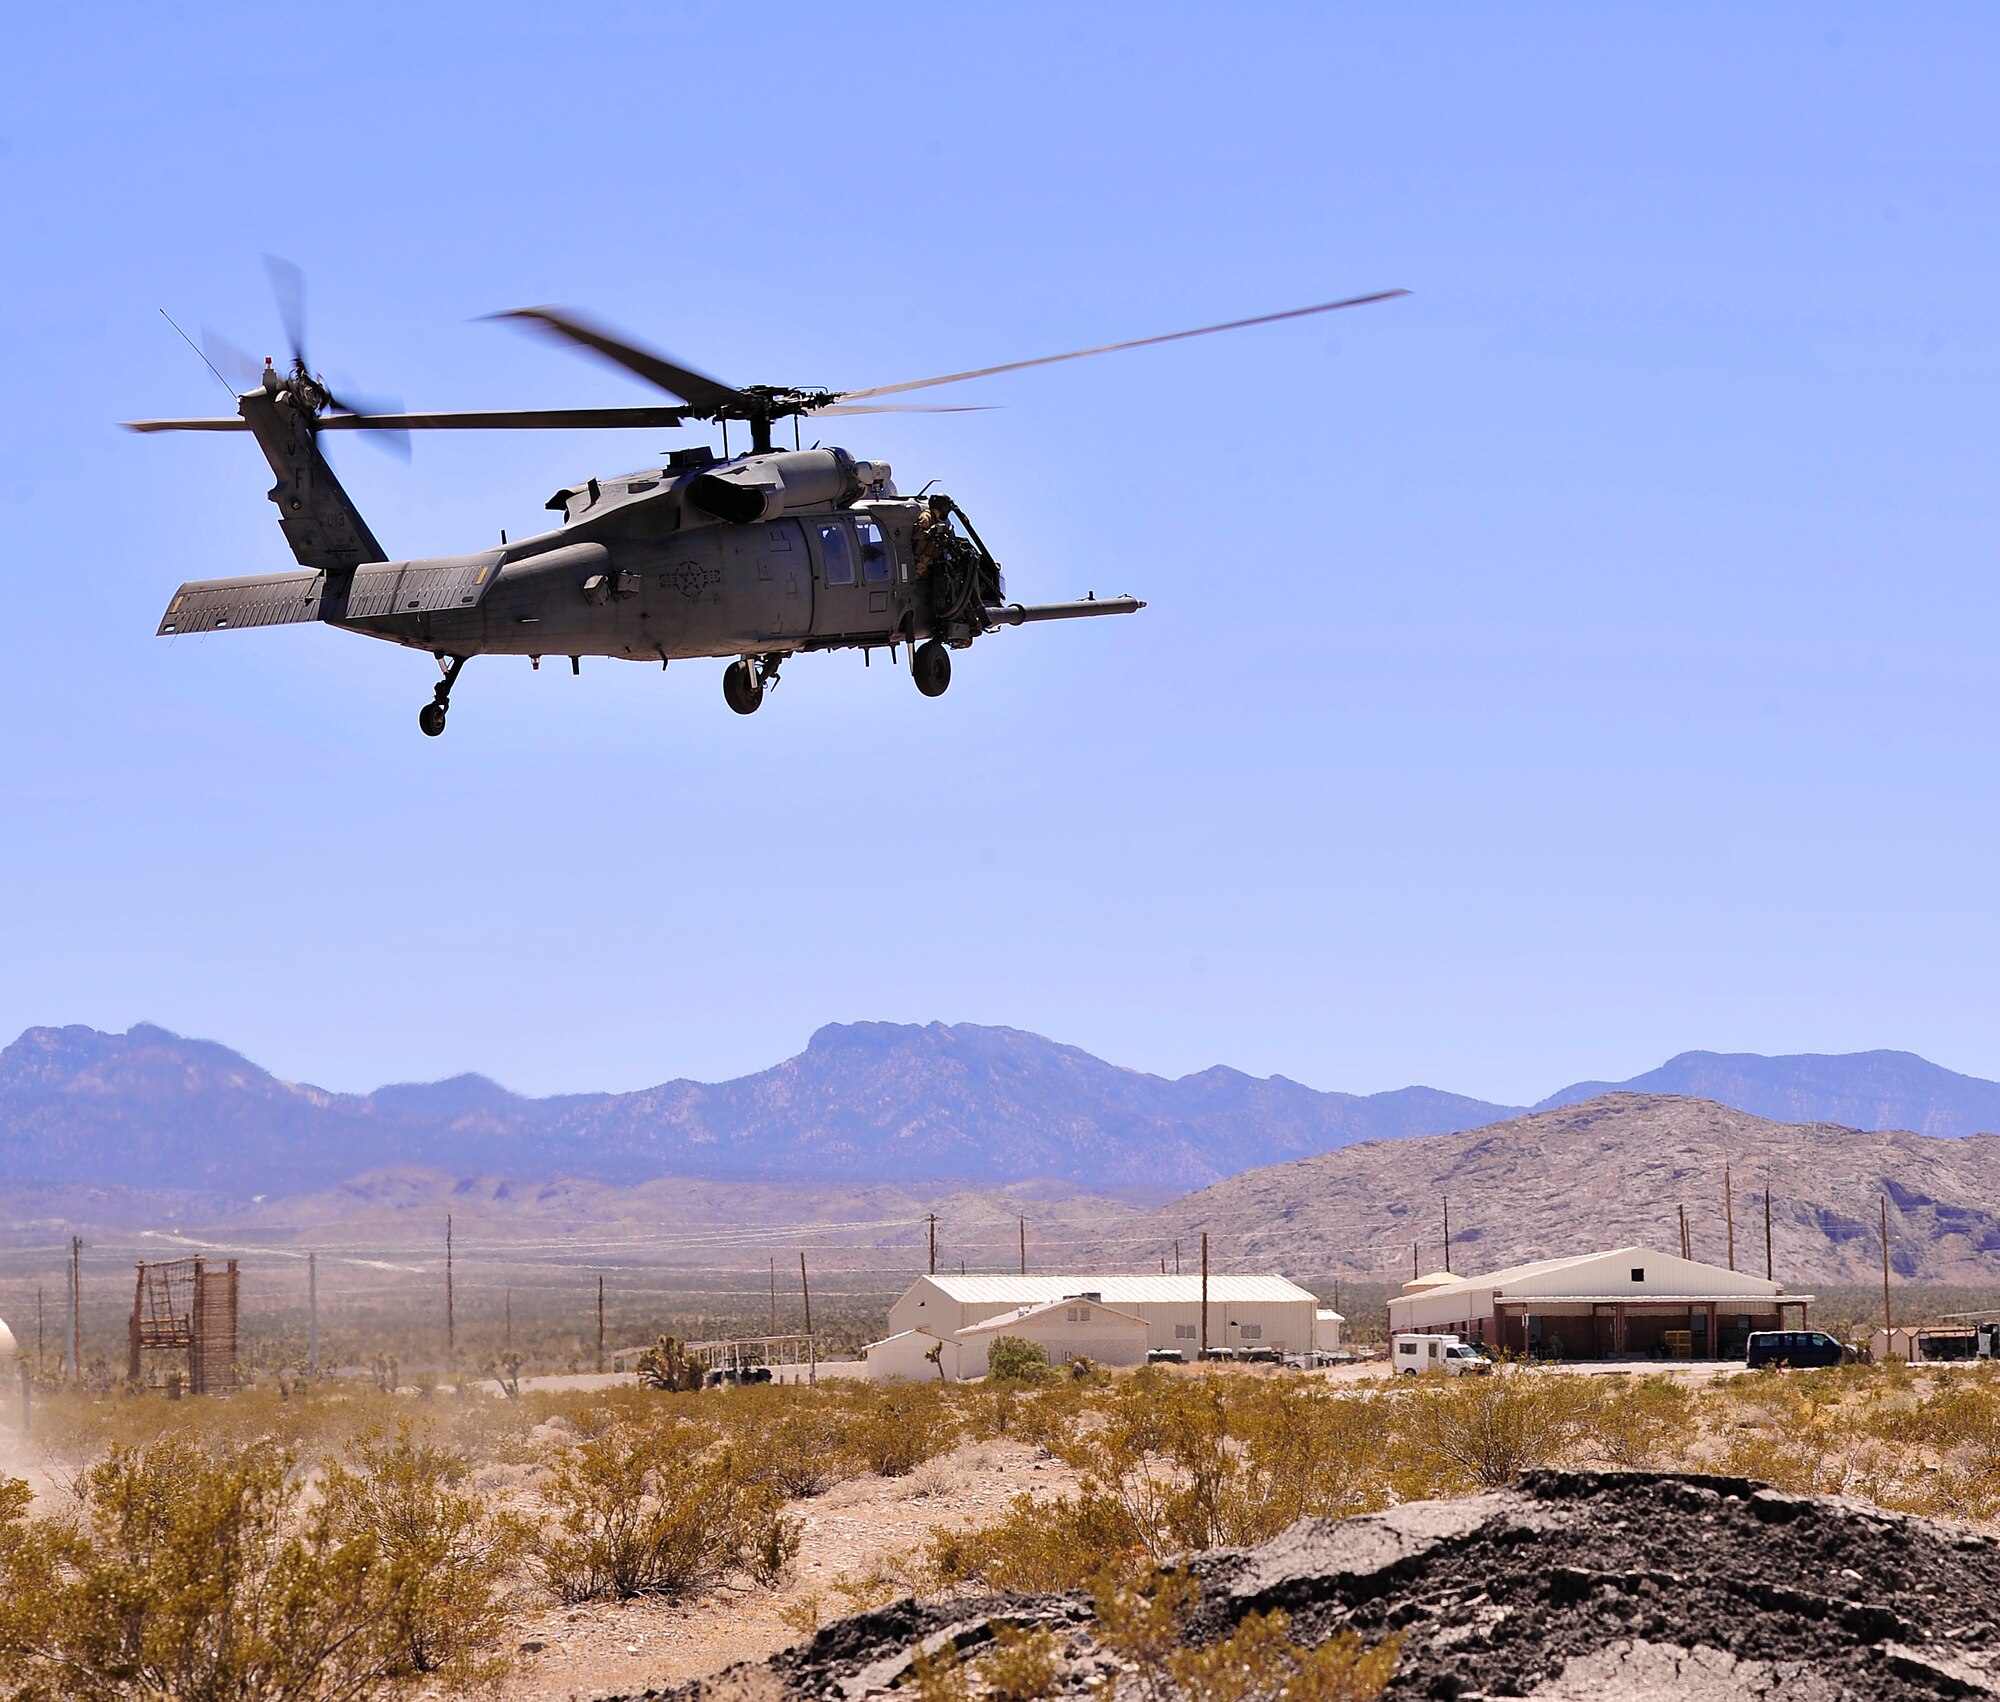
(1612, 1172)
(1862, 1090)
(864, 1101)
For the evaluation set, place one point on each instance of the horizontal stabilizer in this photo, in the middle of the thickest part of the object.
(414, 587)
(270, 599)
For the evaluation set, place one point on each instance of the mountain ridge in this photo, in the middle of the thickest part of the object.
(1615, 1170)
(862, 1102)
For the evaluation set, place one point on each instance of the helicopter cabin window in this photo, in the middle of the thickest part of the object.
(837, 551)
(874, 553)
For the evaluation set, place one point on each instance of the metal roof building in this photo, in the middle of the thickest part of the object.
(1244, 1311)
(1630, 1300)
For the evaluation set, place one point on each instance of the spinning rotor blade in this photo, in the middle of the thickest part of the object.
(1113, 348)
(706, 396)
(240, 371)
(506, 419)
(288, 286)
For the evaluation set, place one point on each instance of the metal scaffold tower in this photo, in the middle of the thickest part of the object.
(186, 1307)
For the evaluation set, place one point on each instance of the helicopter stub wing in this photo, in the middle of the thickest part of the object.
(416, 587)
(371, 591)
(268, 599)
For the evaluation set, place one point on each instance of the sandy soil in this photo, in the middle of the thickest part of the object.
(603, 1647)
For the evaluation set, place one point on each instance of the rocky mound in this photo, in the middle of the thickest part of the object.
(1570, 1586)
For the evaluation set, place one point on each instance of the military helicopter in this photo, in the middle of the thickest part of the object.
(755, 557)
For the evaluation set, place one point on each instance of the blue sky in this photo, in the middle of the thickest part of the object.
(1589, 657)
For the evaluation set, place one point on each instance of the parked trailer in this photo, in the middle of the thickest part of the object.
(1413, 1353)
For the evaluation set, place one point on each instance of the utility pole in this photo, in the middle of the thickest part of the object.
(1204, 1294)
(600, 1324)
(1685, 1253)
(1177, 1258)
(76, 1308)
(1024, 1246)
(774, 1289)
(933, 1223)
(1729, 1216)
(1414, 1271)
(312, 1314)
(1767, 1236)
(450, 1321)
(1447, 1232)
(1888, 1323)
(812, 1351)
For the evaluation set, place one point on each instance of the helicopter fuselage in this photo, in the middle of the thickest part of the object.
(759, 556)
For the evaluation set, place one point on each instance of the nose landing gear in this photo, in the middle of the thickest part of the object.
(431, 717)
(930, 667)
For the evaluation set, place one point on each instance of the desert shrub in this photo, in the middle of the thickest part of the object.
(1647, 1423)
(445, 1549)
(1818, 1434)
(658, 1510)
(1063, 1543)
(1022, 1664)
(1143, 1624)
(1481, 1432)
(896, 1427)
(185, 1572)
(798, 1444)
(1259, 1661)
(1012, 1359)
(1199, 1462)
(1170, 1464)
(665, 1365)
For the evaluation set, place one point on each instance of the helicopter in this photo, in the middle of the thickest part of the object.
(756, 557)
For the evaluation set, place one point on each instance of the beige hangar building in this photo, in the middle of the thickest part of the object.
(1601, 1306)
(1244, 1311)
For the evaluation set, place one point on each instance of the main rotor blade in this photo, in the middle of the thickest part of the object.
(706, 395)
(892, 408)
(508, 419)
(239, 370)
(288, 285)
(1113, 348)
(233, 422)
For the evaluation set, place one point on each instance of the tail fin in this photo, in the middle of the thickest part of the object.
(321, 523)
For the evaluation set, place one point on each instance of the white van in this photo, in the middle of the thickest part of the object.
(1455, 1358)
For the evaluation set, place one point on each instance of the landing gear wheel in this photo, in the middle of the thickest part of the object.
(931, 668)
(431, 716)
(742, 687)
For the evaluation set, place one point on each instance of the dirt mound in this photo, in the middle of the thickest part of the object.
(1572, 1585)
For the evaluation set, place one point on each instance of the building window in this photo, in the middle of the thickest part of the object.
(1185, 1332)
(1251, 1332)
(1638, 1273)
(1078, 1314)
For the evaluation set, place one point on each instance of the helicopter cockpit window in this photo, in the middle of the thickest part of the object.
(838, 553)
(874, 553)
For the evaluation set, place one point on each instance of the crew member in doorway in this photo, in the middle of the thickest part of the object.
(933, 527)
